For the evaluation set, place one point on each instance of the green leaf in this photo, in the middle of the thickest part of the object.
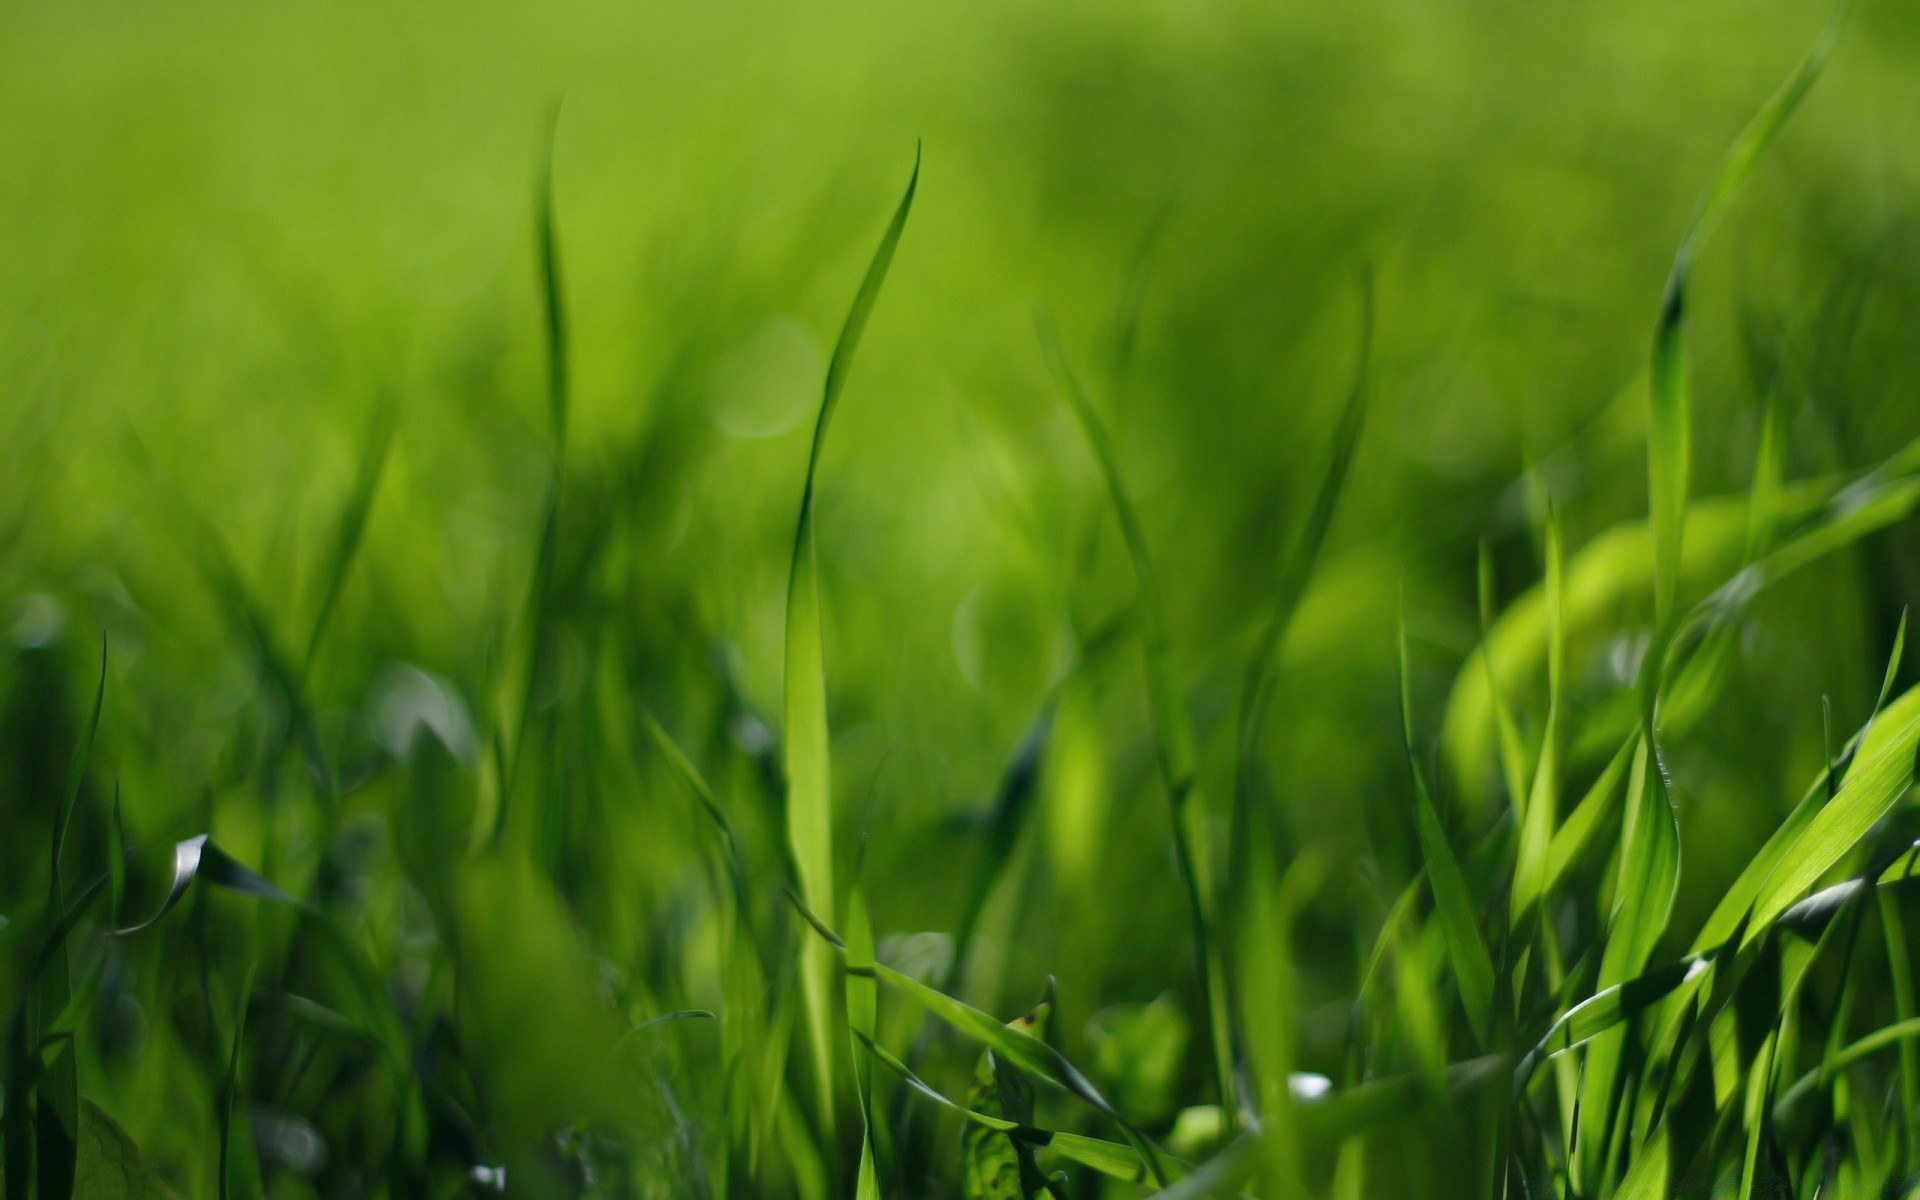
(808, 770)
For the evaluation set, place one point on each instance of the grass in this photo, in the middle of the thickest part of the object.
(1138, 781)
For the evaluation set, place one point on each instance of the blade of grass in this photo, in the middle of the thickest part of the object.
(57, 1101)
(1669, 429)
(805, 739)
(1172, 732)
(1472, 965)
(1543, 800)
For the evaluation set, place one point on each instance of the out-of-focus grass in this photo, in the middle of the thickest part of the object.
(276, 403)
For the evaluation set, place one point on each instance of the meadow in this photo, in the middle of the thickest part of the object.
(994, 601)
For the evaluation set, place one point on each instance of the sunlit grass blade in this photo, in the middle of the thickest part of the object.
(1739, 900)
(1172, 730)
(1472, 965)
(1871, 788)
(809, 803)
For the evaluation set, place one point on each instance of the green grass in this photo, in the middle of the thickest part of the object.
(1365, 695)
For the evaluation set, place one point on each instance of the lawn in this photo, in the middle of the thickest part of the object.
(1009, 600)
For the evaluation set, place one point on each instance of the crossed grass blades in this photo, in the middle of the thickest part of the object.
(455, 1033)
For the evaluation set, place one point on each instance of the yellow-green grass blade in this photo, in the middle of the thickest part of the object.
(1513, 752)
(805, 737)
(1740, 900)
(862, 1018)
(1669, 427)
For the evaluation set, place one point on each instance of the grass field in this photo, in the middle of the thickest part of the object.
(1093, 600)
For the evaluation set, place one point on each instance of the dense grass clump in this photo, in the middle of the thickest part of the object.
(513, 757)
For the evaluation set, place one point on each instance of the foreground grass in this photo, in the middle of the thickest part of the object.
(441, 948)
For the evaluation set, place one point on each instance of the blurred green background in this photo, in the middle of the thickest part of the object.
(234, 241)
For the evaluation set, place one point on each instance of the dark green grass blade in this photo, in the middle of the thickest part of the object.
(231, 1088)
(805, 736)
(1472, 965)
(1172, 732)
(57, 1102)
(1900, 978)
(1019, 783)
(1295, 567)
(351, 528)
(689, 775)
(553, 307)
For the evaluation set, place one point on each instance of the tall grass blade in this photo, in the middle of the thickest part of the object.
(1172, 731)
(805, 739)
(1472, 965)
